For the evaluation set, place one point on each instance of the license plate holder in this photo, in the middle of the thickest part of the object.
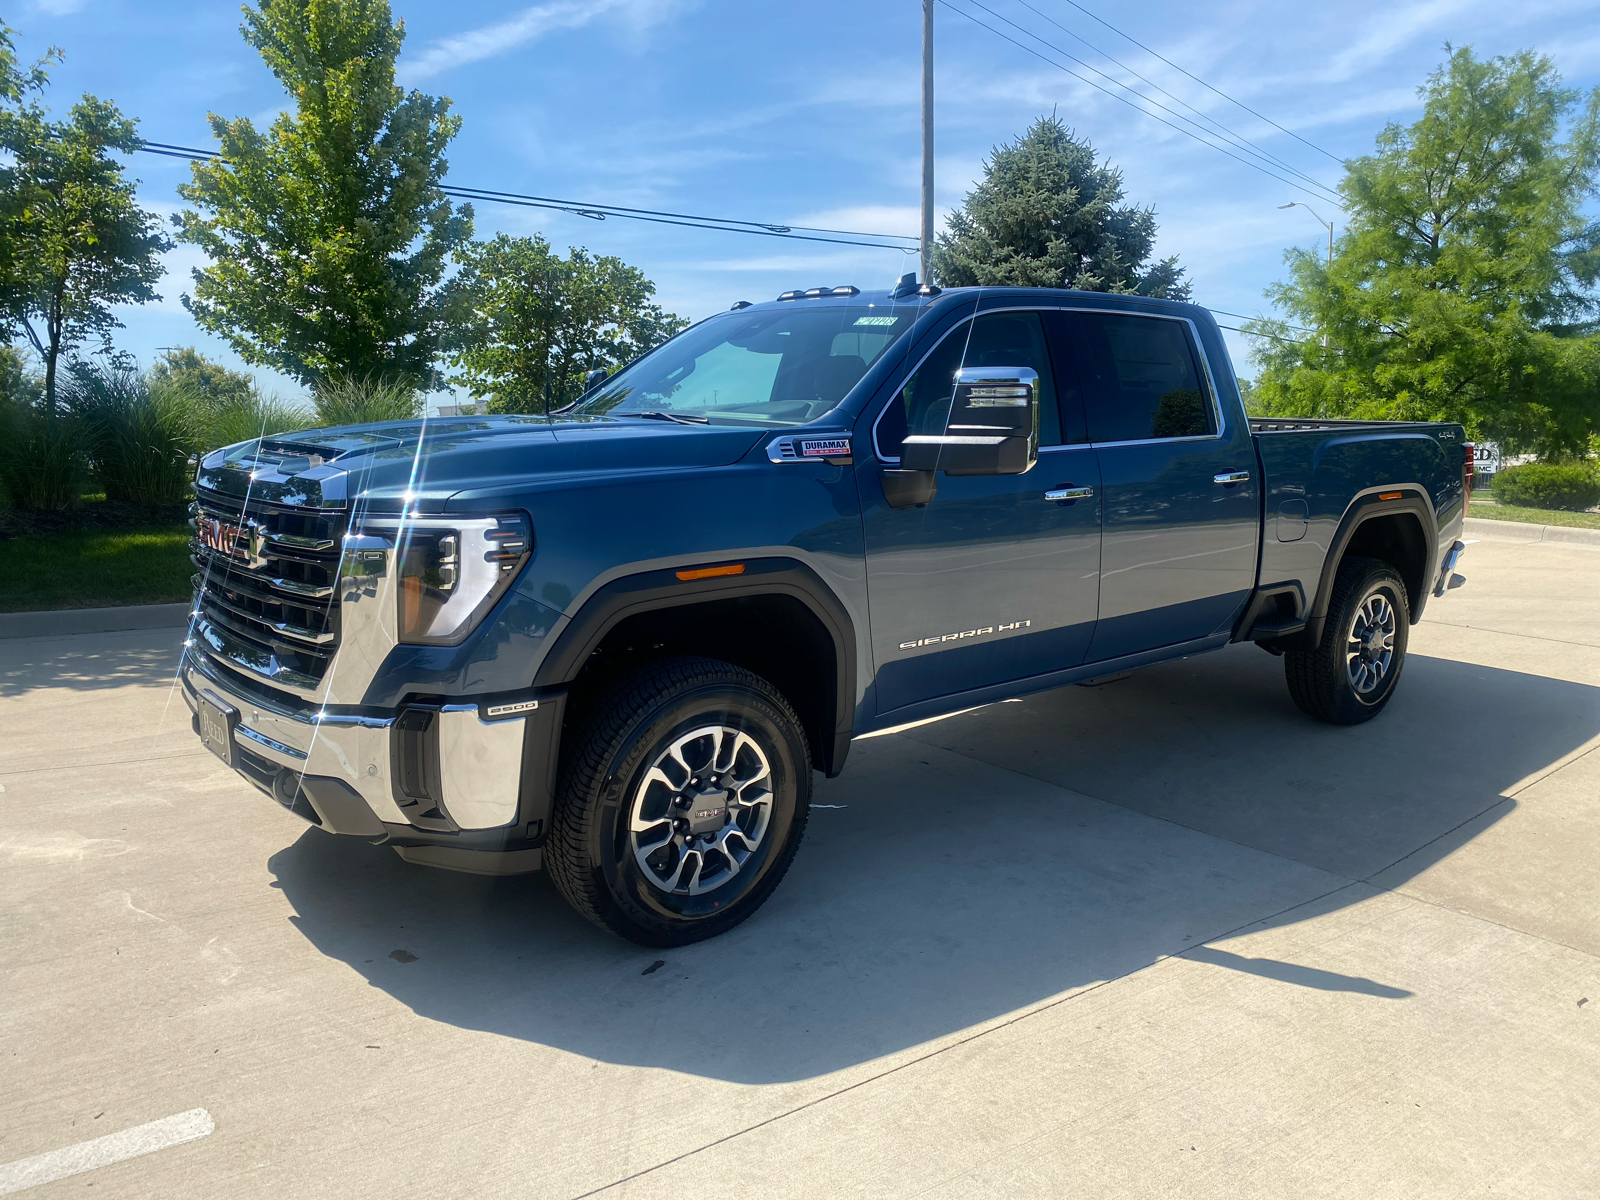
(217, 723)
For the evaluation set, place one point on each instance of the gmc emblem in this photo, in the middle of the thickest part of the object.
(224, 538)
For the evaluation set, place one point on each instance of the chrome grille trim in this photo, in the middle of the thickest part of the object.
(272, 609)
(301, 589)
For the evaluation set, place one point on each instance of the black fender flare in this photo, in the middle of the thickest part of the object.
(1366, 506)
(649, 591)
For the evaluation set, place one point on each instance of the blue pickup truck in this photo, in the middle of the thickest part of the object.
(616, 641)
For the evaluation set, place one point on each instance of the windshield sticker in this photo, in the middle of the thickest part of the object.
(876, 320)
(824, 447)
(937, 639)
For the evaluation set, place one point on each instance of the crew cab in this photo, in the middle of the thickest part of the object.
(617, 641)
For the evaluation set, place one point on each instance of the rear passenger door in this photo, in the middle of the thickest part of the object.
(1180, 502)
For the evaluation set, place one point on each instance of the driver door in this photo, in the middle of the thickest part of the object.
(990, 581)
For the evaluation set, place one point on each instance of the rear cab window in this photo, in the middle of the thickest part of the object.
(1141, 378)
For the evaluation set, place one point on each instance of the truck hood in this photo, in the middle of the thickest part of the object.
(423, 463)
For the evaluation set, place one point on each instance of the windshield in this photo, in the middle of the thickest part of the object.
(773, 367)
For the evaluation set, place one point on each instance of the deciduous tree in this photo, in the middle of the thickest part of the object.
(1463, 287)
(329, 233)
(531, 324)
(74, 242)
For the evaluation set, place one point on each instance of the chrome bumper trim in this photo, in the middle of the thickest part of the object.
(1452, 556)
(262, 739)
(354, 749)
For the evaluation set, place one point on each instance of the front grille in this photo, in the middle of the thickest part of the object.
(271, 595)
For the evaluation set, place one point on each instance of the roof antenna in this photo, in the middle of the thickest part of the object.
(906, 287)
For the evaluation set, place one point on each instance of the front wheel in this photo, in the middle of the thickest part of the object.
(1352, 673)
(682, 799)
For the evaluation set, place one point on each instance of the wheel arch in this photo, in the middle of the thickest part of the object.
(776, 618)
(1401, 530)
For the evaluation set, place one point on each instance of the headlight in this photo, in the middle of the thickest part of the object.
(449, 571)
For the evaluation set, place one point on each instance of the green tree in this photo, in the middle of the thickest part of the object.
(531, 324)
(1463, 287)
(1048, 214)
(73, 240)
(210, 382)
(328, 234)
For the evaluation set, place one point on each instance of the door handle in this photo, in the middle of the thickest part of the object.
(1231, 477)
(1069, 493)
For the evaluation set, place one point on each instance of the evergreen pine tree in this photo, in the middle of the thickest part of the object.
(1048, 214)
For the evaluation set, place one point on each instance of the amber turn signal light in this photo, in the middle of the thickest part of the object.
(1388, 495)
(710, 572)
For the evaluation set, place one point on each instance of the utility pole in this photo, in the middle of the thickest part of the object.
(927, 141)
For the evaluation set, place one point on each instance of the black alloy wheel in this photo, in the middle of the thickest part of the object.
(684, 791)
(1352, 673)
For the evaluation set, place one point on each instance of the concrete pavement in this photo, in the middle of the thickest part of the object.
(1159, 937)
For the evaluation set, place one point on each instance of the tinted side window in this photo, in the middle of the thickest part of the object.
(1141, 378)
(1011, 339)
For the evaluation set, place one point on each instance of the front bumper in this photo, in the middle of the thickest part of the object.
(474, 774)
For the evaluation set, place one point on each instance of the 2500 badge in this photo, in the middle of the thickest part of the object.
(937, 639)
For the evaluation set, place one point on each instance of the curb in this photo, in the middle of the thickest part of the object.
(1516, 531)
(67, 621)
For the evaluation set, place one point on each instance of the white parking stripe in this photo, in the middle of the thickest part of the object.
(103, 1151)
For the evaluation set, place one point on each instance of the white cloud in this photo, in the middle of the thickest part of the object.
(531, 24)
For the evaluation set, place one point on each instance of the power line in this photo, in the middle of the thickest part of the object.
(1238, 138)
(1202, 82)
(599, 212)
(1247, 317)
(1300, 187)
(1227, 135)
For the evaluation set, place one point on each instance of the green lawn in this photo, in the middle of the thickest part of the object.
(91, 568)
(1533, 516)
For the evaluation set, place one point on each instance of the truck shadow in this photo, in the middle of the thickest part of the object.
(89, 662)
(958, 881)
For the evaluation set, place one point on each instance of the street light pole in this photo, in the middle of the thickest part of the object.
(1320, 221)
(927, 141)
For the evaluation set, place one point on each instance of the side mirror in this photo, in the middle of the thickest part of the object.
(993, 427)
(594, 379)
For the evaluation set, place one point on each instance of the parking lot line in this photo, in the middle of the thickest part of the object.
(103, 1151)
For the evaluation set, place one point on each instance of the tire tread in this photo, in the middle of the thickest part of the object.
(601, 727)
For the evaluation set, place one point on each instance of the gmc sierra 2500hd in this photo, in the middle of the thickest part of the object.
(616, 640)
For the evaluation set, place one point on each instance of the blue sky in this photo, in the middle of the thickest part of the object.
(809, 114)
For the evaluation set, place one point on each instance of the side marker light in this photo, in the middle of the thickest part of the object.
(710, 572)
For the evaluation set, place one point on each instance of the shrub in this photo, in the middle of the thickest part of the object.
(238, 419)
(1570, 486)
(41, 460)
(138, 432)
(365, 401)
(41, 457)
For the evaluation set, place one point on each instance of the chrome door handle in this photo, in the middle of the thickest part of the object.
(1069, 493)
(1231, 477)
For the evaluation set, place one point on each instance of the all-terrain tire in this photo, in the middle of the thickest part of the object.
(1348, 679)
(613, 761)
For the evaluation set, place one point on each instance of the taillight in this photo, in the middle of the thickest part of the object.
(1469, 456)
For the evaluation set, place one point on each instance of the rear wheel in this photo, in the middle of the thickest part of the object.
(683, 797)
(1353, 671)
